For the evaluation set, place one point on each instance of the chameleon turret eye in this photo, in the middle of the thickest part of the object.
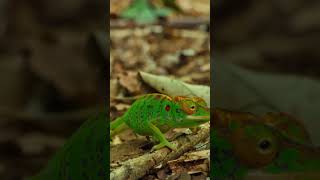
(199, 101)
(193, 107)
(265, 145)
(254, 145)
(167, 107)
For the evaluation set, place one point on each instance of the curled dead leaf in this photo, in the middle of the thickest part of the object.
(122, 107)
(35, 143)
(193, 162)
(173, 87)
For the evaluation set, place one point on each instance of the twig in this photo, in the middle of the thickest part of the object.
(138, 167)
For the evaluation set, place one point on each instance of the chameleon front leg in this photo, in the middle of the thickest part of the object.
(117, 126)
(160, 136)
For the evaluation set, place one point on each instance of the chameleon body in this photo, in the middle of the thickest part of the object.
(84, 155)
(155, 114)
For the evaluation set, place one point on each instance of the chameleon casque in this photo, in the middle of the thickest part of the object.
(274, 142)
(155, 114)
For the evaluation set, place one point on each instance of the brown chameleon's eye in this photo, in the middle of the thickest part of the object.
(264, 145)
(167, 108)
(193, 107)
(255, 148)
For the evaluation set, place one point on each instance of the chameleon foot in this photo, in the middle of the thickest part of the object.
(163, 144)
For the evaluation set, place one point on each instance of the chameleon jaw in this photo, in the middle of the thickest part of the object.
(198, 118)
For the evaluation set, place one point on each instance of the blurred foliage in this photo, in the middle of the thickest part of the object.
(52, 74)
(142, 11)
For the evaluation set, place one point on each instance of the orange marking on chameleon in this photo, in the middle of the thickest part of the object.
(179, 98)
(186, 109)
(160, 96)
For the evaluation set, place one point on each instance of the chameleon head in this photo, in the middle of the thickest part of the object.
(190, 112)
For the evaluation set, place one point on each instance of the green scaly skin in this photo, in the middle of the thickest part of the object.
(84, 155)
(155, 114)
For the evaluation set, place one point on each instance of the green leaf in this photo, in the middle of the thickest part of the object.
(143, 12)
(140, 11)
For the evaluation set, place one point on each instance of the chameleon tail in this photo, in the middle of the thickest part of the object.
(117, 126)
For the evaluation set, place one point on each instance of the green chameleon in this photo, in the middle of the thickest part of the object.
(155, 114)
(84, 156)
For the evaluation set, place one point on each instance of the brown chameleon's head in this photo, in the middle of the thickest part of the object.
(190, 111)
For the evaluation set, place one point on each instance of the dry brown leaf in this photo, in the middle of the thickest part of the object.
(196, 8)
(66, 68)
(114, 88)
(173, 87)
(129, 80)
(15, 82)
(193, 156)
(35, 143)
(169, 60)
(116, 6)
(2, 168)
(124, 151)
(162, 174)
(8, 134)
(180, 176)
(145, 49)
(193, 162)
(122, 107)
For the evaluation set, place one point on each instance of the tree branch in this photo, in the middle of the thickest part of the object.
(138, 167)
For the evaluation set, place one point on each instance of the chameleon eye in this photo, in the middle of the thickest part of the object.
(193, 107)
(265, 146)
(167, 108)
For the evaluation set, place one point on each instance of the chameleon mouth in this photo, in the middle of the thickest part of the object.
(198, 118)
